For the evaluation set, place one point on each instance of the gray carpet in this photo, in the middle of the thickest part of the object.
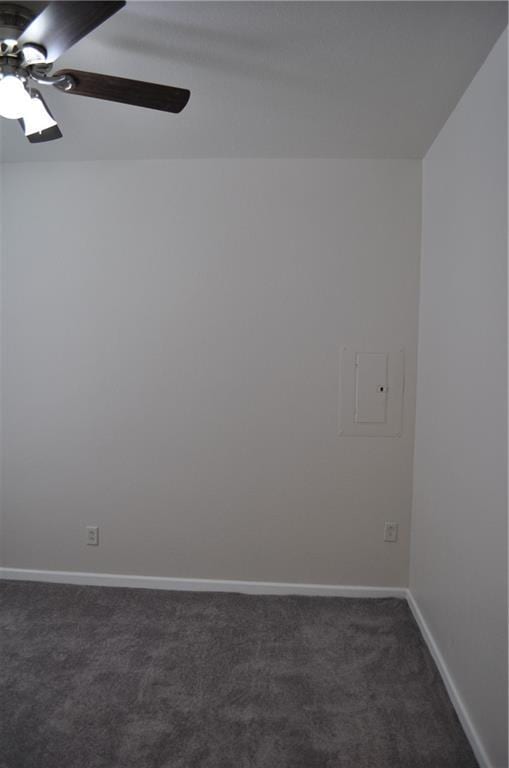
(94, 677)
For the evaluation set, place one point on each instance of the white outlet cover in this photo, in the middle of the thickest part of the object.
(92, 535)
(391, 531)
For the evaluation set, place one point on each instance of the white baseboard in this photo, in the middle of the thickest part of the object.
(454, 695)
(269, 588)
(199, 585)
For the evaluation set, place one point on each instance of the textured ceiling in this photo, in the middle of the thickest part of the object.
(274, 79)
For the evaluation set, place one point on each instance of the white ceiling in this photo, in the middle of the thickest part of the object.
(274, 79)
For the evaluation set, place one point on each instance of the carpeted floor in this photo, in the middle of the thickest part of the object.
(94, 677)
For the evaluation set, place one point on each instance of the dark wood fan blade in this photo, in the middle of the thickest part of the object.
(149, 95)
(50, 134)
(63, 22)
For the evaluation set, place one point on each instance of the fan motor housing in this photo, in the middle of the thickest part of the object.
(13, 20)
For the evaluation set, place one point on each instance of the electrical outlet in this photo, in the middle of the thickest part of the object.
(92, 535)
(391, 532)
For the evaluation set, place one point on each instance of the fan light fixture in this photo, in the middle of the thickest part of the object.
(14, 99)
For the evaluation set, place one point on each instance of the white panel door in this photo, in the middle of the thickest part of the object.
(370, 388)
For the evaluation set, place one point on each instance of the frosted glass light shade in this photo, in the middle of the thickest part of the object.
(36, 117)
(14, 99)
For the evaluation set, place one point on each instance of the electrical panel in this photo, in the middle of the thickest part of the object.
(371, 392)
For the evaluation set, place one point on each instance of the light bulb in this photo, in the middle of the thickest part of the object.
(14, 99)
(36, 117)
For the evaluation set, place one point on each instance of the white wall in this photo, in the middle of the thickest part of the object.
(171, 342)
(1, 278)
(459, 523)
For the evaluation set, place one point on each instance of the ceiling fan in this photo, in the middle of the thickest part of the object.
(30, 43)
